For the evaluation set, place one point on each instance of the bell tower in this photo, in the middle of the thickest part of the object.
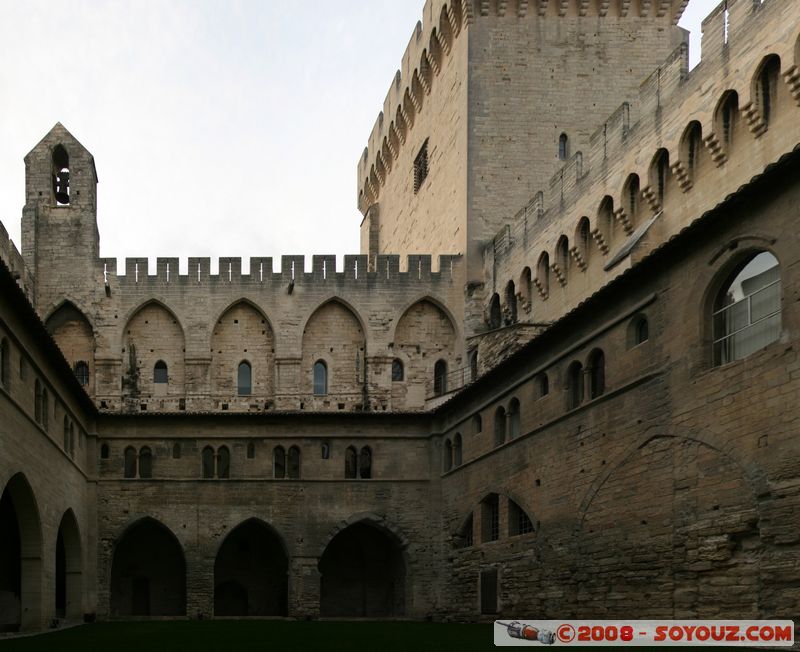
(60, 239)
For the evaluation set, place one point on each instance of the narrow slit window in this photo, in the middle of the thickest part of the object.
(421, 166)
(320, 378)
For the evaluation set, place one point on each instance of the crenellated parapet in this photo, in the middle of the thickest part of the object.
(175, 338)
(444, 23)
(688, 141)
(291, 271)
(13, 259)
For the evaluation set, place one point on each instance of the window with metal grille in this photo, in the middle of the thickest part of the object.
(320, 378)
(518, 521)
(82, 372)
(421, 166)
(747, 311)
(490, 517)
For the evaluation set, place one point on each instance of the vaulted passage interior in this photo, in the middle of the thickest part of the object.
(148, 573)
(20, 557)
(251, 573)
(363, 574)
(68, 568)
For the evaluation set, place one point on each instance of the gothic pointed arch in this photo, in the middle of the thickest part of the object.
(153, 336)
(334, 335)
(20, 556)
(74, 334)
(242, 333)
(251, 571)
(363, 572)
(69, 569)
(424, 335)
(148, 571)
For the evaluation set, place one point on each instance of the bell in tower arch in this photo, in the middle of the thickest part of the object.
(61, 175)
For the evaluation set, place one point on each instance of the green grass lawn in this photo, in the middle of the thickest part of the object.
(245, 635)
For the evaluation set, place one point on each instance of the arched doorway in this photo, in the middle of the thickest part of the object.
(20, 557)
(363, 574)
(148, 573)
(68, 568)
(251, 572)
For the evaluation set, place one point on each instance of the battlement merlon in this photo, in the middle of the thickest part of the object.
(444, 20)
(292, 271)
(12, 258)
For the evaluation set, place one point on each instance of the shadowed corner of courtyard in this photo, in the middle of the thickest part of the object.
(244, 635)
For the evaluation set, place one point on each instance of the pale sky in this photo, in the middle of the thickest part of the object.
(218, 128)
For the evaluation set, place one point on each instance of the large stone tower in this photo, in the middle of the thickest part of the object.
(492, 98)
(60, 239)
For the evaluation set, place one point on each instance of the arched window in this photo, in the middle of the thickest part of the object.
(45, 408)
(473, 365)
(160, 375)
(605, 214)
(457, 449)
(105, 453)
(511, 303)
(145, 463)
(659, 171)
(397, 370)
(365, 463)
(495, 314)
(130, 462)
(631, 194)
(61, 175)
(5, 363)
(597, 373)
(583, 238)
(176, 451)
(208, 462)
(747, 310)
(525, 287)
(244, 378)
(543, 274)
(440, 378)
(37, 408)
(350, 463)
(477, 424)
(72, 440)
(223, 462)
(638, 331)
(66, 433)
(562, 253)
(294, 463)
(499, 426)
(563, 147)
(726, 116)
(82, 372)
(251, 450)
(320, 378)
(768, 79)
(574, 385)
(692, 145)
(513, 419)
(542, 385)
(326, 450)
(278, 463)
(447, 456)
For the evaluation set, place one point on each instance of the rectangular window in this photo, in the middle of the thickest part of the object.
(421, 166)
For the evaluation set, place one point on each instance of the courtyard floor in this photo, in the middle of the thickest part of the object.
(260, 635)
